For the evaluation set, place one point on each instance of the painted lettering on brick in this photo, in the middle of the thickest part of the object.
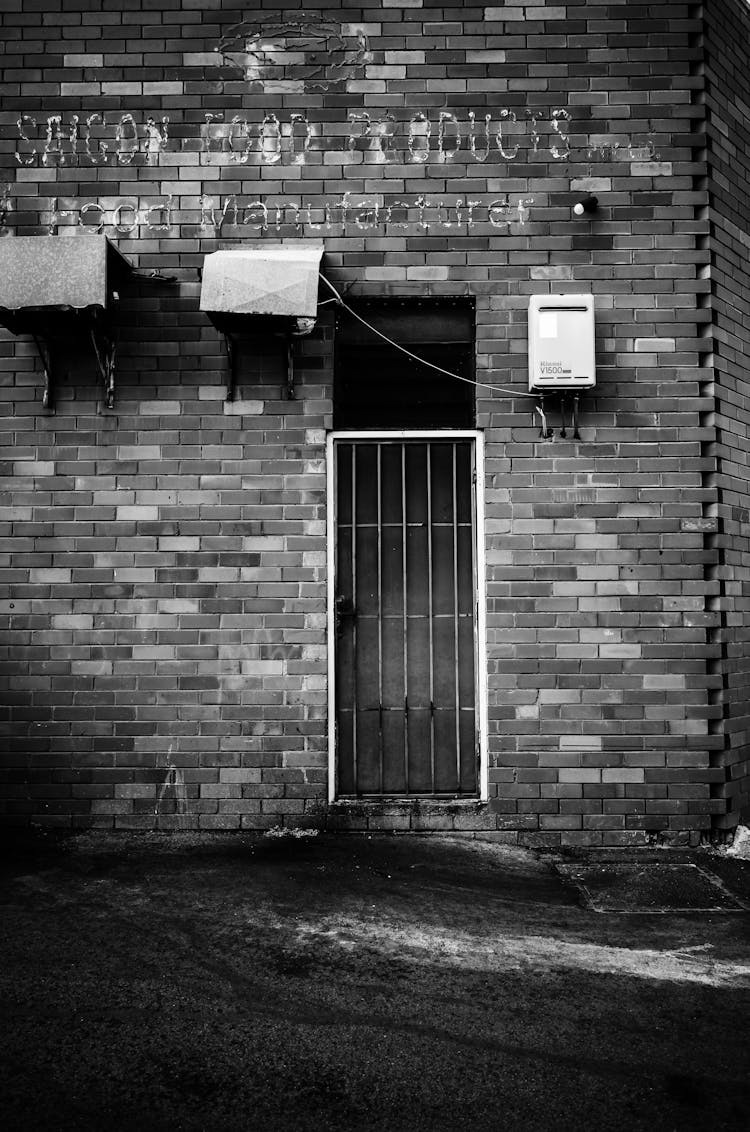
(290, 137)
(239, 216)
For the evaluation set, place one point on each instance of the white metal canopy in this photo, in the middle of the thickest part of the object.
(277, 279)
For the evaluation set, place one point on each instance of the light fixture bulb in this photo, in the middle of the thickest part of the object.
(586, 204)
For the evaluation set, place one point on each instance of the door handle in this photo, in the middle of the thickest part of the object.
(343, 608)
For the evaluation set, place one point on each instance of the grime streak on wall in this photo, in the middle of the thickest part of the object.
(172, 798)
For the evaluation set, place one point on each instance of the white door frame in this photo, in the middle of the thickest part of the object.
(480, 657)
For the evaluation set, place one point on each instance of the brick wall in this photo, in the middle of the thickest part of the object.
(164, 638)
(727, 99)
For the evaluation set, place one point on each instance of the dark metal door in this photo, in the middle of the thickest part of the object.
(405, 617)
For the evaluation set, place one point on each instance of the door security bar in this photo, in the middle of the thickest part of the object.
(428, 679)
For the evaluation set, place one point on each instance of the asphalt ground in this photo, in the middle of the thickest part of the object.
(222, 982)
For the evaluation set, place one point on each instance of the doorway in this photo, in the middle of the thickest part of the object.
(406, 619)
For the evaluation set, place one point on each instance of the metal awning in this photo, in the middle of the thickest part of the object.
(270, 290)
(57, 288)
(56, 273)
(277, 279)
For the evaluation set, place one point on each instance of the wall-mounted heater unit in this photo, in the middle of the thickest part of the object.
(561, 343)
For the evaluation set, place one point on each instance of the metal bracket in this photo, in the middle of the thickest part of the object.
(105, 351)
(45, 353)
(290, 369)
(152, 277)
(232, 359)
(104, 347)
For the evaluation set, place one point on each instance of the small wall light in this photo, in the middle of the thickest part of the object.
(584, 205)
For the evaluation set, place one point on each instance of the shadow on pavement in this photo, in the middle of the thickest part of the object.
(239, 982)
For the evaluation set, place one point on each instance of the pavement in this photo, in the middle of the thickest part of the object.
(339, 982)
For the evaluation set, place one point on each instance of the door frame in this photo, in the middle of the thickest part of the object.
(480, 642)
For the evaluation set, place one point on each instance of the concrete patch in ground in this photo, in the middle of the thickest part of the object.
(639, 888)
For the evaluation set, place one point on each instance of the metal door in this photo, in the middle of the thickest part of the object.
(405, 616)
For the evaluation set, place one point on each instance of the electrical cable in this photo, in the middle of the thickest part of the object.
(416, 357)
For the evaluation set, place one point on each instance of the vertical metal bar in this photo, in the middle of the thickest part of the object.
(44, 350)
(405, 618)
(290, 368)
(455, 617)
(332, 550)
(379, 472)
(232, 359)
(354, 620)
(477, 540)
(429, 615)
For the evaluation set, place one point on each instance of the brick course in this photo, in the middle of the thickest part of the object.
(164, 562)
